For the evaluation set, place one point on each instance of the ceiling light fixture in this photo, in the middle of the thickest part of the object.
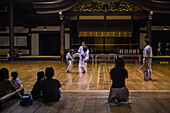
(61, 16)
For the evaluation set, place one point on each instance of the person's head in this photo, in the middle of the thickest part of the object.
(120, 63)
(146, 42)
(49, 72)
(14, 75)
(71, 51)
(83, 43)
(4, 74)
(85, 48)
(40, 75)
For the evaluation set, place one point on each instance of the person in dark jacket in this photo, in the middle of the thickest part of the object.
(36, 91)
(50, 87)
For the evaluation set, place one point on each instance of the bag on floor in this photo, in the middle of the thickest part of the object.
(26, 100)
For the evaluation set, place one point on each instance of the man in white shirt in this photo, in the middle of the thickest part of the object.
(147, 60)
(80, 51)
(15, 81)
(69, 59)
(84, 56)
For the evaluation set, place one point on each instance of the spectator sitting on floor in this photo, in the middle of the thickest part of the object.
(6, 86)
(36, 91)
(16, 82)
(50, 87)
(119, 94)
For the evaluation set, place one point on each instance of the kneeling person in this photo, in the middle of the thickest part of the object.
(119, 93)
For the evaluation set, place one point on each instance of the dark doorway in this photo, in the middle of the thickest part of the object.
(160, 36)
(49, 43)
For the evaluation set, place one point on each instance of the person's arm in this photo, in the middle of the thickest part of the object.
(70, 56)
(144, 55)
(79, 50)
(87, 56)
(19, 82)
(148, 53)
(88, 51)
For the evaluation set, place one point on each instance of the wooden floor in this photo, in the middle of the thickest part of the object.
(85, 93)
(96, 78)
(90, 102)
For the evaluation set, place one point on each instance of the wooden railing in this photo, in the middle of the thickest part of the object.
(10, 95)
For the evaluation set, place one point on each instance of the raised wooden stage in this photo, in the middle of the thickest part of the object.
(90, 102)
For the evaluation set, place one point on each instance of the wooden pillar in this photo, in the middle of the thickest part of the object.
(29, 41)
(149, 30)
(132, 33)
(11, 30)
(105, 29)
(62, 40)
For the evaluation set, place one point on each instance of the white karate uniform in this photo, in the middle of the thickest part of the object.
(80, 51)
(83, 61)
(69, 59)
(147, 60)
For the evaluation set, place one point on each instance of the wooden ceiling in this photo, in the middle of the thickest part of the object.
(159, 6)
(31, 13)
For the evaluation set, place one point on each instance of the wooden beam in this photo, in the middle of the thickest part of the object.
(51, 2)
(10, 95)
(151, 6)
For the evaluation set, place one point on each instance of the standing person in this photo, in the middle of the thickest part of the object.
(50, 87)
(84, 56)
(119, 93)
(80, 51)
(69, 59)
(147, 60)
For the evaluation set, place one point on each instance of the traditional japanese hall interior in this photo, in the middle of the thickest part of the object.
(85, 56)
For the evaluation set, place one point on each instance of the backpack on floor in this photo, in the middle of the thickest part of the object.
(26, 100)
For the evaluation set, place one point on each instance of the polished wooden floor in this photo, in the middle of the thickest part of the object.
(96, 78)
(90, 102)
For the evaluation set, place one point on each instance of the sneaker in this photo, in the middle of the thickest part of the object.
(84, 72)
(128, 101)
(68, 72)
(150, 79)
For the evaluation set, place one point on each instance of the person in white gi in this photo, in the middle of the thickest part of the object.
(84, 56)
(80, 51)
(147, 60)
(69, 59)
